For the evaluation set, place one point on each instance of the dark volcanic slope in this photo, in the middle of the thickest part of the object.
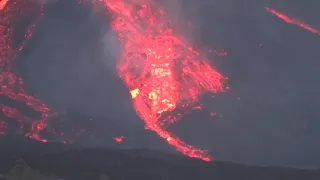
(88, 164)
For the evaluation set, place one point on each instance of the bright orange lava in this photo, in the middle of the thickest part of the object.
(165, 76)
(290, 20)
(11, 84)
(3, 4)
(163, 73)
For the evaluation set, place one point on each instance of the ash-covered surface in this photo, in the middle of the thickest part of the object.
(73, 163)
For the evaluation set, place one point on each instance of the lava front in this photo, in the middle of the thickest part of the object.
(164, 74)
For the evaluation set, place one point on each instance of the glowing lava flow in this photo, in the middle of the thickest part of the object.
(293, 21)
(3, 4)
(12, 14)
(165, 76)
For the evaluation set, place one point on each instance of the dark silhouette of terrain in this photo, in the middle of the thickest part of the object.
(73, 162)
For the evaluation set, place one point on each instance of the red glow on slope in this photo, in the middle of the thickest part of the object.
(11, 84)
(163, 73)
(14, 100)
(119, 139)
(3, 4)
(290, 20)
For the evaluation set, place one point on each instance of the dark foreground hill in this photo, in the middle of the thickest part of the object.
(76, 163)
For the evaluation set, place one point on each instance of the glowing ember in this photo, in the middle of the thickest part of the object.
(164, 74)
(134, 93)
(293, 21)
(119, 139)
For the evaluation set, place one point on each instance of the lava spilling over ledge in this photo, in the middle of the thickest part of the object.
(164, 74)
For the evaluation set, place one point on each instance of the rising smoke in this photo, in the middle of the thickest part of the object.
(64, 64)
(71, 60)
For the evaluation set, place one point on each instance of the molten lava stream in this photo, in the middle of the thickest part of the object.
(12, 14)
(3, 4)
(162, 72)
(290, 20)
